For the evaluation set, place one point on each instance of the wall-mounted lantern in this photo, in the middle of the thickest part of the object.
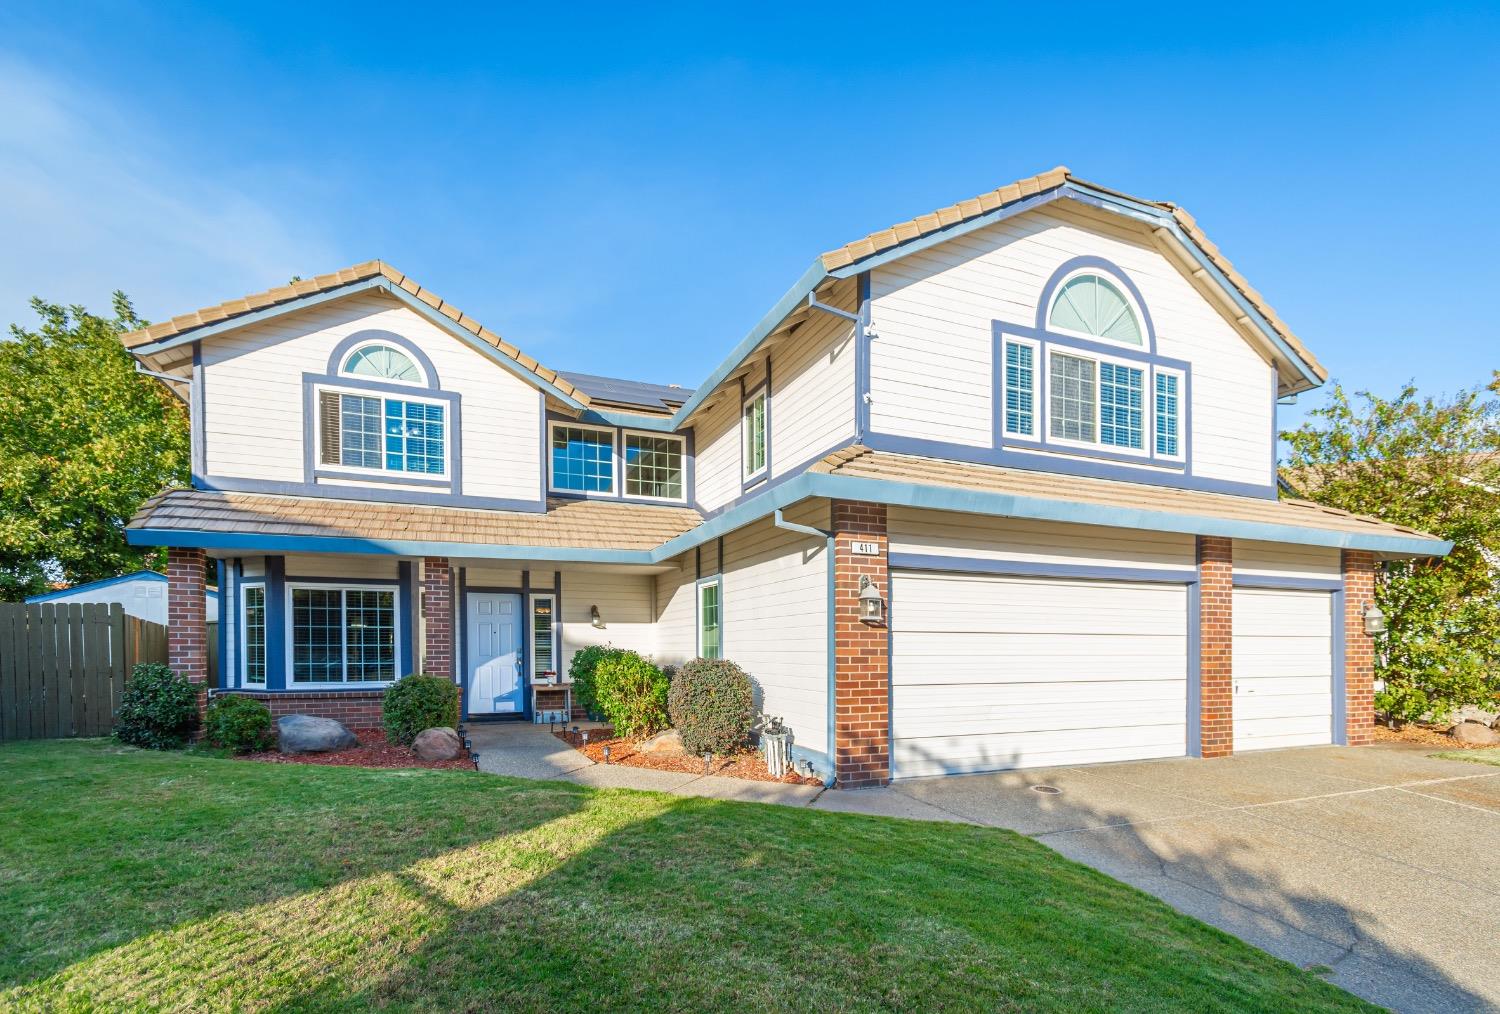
(871, 605)
(1374, 619)
(595, 618)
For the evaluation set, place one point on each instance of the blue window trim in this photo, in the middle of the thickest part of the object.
(343, 584)
(312, 471)
(1110, 272)
(689, 464)
(373, 335)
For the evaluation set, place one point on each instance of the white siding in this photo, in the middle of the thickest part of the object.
(482, 574)
(253, 396)
(676, 612)
(812, 386)
(625, 607)
(351, 568)
(934, 312)
(716, 437)
(940, 533)
(1276, 559)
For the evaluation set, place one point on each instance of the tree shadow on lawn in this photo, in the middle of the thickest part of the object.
(110, 854)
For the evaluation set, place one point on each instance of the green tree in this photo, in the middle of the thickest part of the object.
(84, 439)
(1431, 464)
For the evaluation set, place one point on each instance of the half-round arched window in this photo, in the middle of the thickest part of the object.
(384, 363)
(1091, 304)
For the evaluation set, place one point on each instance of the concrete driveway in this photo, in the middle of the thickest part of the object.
(1380, 863)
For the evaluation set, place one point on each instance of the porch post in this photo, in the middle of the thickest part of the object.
(187, 626)
(1215, 646)
(437, 617)
(862, 688)
(1359, 648)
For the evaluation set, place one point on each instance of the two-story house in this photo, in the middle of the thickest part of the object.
(992, 488)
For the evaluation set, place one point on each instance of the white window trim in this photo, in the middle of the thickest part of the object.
(1148, 422)
(244, 632)
(371, 343)
(616, 445)
(716, 581)
(290, 630)
(1181, 376)
(1120, 287)
(682, 453)
(531, 634)
(760, 392)
(1037, 373)
(382, 396)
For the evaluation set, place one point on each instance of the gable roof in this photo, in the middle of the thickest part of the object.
(185, 326)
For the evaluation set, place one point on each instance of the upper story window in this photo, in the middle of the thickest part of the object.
(1096, 401)
(382, 362)
(651, 465)
(385, 434)
(583, 459)
(754, 434)
(1091, 305)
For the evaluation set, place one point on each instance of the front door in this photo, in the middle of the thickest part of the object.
(494, 654)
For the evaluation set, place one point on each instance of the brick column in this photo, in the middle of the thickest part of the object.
(1215, 646)
(1359, 648)
(437, 616)
(187, 626)
(862, 690)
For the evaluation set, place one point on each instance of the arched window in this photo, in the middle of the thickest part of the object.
(384, 363)
(1092, 305)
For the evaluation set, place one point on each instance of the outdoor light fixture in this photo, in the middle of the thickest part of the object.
(871, 605)
(1374, 619)
(606, 754)
(594, 617)
(585, 737)
(708, 760)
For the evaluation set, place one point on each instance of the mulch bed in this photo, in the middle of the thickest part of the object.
(374, 751)
(747, 763)
(1423, 735)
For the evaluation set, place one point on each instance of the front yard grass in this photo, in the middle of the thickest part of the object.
(134, 879)
(1483, 755)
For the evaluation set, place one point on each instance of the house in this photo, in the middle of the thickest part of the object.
(143, 594)
(992, 488)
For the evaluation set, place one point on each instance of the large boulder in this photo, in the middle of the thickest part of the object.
(1473, 732)
(1473, 713)
(311, 734)
(663, 744)
(437, 744)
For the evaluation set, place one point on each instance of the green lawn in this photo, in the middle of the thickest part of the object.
(132, 879)
(1483, 755)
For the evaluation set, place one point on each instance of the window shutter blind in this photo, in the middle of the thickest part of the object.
(328, 412)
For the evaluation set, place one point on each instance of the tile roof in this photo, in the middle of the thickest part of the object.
(663, 398)
(187, 323)
(587, 524)
(863, 463)
(953, 214)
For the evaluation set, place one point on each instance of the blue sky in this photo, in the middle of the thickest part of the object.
(627, 189)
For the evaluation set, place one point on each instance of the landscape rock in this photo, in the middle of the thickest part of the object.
(1473, 732)
(663, 744)
(1471, 713)
(436, 744)
(310, 734)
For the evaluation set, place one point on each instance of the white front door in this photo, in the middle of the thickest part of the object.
(1283, 668)
(494, 654)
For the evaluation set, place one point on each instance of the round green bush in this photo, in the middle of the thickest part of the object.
(419, 702)
(241, 724)
(632, 693)
(581, 671)
(712, 705)
(158, 708)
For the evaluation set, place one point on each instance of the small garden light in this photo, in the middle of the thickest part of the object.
(585, 737)
(708, 760)
(871, 605)
(606, 755)
(1374, 619)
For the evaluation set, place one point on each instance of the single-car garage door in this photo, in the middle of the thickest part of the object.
(1283, 668)
(991, 672)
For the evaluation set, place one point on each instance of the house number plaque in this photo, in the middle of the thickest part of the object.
(865, 548)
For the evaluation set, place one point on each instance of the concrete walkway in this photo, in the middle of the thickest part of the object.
(1377, 864)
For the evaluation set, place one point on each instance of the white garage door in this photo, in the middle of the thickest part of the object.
(1283, 668)
(992, 672)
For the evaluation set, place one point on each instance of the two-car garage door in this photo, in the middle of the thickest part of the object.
(991, 672)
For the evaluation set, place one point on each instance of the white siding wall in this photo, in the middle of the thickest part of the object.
(934, 311)
(940, 533)
(1275, 559)
(812, 386)
(716, 436)
(350, 567)
(253, 396)
(625, 606)
(676, 613)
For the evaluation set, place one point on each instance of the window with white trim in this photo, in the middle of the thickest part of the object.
(583, 459)
(1121, 405)
(754, 430)
(1096, 401)
(1020, 388)
(1168, 414)
(1074, 395)
(543, 635)
(1089, 304)
(382, 434)
(382, 362)
(253, 623)
(653, 466)
(710, 619)
(343, 635)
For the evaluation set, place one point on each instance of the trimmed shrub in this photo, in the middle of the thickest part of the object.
(581, 671)
(632, 693)
(241, 724)
(418, 702)
(712, 705)
(158, 708)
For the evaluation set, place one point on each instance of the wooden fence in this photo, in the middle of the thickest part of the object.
(63, 666)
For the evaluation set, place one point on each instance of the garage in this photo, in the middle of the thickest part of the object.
(990, 672)
(1283, 668)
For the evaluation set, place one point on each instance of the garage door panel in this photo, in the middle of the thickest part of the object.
(938, 755)
(1025, 719)
(928, 660)
(1269, 734)
(1283, 668)
(1292, 707)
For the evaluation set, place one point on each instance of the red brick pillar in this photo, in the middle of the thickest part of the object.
(862, 690)
(1215, 646)
(1359, 648)
(187, 626)
(437, 616)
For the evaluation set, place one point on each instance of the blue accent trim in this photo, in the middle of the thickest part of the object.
(1340, 673)
(1195, 667)
(833, 655)
(236, 612)
(1275, 429)
(526, 645)
(312, 469)
(628, 420)
(231, 484)
(407, 617)
(1288, 583)
(1114, 273)
(461, 650)
(197, 431)
(342, 349)
(223, 628)
(276, 623)
(1041, 569)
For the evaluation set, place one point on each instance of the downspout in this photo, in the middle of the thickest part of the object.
(780, 521)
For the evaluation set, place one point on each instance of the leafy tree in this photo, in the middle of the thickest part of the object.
(1431, 464)
(84, 439)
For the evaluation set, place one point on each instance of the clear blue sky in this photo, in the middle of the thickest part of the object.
(627, 189)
